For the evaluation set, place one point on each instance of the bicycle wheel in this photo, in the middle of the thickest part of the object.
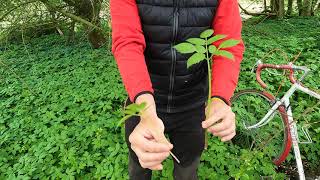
(273, 138)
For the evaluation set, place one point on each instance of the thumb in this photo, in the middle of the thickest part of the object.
(161, 138)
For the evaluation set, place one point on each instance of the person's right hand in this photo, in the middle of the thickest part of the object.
(149, 142)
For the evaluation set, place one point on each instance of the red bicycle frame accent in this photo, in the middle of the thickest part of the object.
(272, 66)
(288, 141)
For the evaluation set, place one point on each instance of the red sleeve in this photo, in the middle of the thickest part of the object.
(128, 45)
(225, 72)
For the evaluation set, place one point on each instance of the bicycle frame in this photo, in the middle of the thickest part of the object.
(285, 100)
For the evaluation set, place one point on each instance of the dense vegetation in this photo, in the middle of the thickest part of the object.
(59, 106)
(92, 16)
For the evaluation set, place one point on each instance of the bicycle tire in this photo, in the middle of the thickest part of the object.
(250, 106)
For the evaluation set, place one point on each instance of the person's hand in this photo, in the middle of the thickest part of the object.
(148, 140)
(221, 120)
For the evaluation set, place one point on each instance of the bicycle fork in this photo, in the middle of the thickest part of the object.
(294, 137)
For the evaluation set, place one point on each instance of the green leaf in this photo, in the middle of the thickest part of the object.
(141, 106)
(196, 41)
(122, 120)
(212, 49)
(200, 49)
(216, 38)
(229, 43)
(207, 33)
(132, 107)
(245, 176)
(185, 48)
(129, 111)
(195, 58)
(224, 53)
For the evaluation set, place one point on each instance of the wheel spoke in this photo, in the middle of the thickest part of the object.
(250, 107)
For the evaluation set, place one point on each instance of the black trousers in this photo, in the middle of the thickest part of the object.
(187, 136)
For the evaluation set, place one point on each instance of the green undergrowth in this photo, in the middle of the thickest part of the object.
(60, 104)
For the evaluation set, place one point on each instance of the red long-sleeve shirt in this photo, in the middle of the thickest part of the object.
(128, 45)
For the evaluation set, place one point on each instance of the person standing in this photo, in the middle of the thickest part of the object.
(143, 35)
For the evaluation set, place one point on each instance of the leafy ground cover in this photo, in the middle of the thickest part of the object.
(60, 104)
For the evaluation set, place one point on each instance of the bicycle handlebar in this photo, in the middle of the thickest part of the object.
(285, 67)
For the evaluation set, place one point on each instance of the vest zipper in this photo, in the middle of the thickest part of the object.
(174, 54)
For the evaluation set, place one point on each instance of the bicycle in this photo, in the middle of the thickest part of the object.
(268, 121)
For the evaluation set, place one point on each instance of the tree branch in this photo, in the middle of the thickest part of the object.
(256, 14)
(16, 7)
(72, 16)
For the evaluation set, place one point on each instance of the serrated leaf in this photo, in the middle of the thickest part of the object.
(196, 41)
(212, 49)
(207, 33)
(224, 53)
(229, 43)
(216, 38)
(200, 49)
(195, 58)
(185, 48)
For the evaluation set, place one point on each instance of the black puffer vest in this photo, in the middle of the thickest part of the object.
(166, 23)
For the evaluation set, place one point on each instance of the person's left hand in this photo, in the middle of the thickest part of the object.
(221, 120)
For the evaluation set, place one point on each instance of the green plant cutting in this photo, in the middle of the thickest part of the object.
(136, 109)
(133, 109)
(204, 49)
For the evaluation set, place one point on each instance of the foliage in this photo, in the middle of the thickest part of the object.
(59, 106)
(33, 18)
(286, 39)
(204, 49)
(132, 110)
(59, 109)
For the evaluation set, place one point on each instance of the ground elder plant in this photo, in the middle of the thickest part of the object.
(133, 109)
(60, 104)
(204, 49)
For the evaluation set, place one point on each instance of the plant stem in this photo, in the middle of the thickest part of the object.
(209, 92)
(209, 73)
(209, 79)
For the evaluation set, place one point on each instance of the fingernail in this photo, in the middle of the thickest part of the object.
(170, 146)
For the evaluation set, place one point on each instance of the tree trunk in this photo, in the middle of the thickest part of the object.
(281, 11)
(300, 7)
(277, 7)
(313, 7)
(318, 8)
(71, 35)
(289, 10)
(89, 10)
(306, 8)
(272, 5)
(265, 5)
